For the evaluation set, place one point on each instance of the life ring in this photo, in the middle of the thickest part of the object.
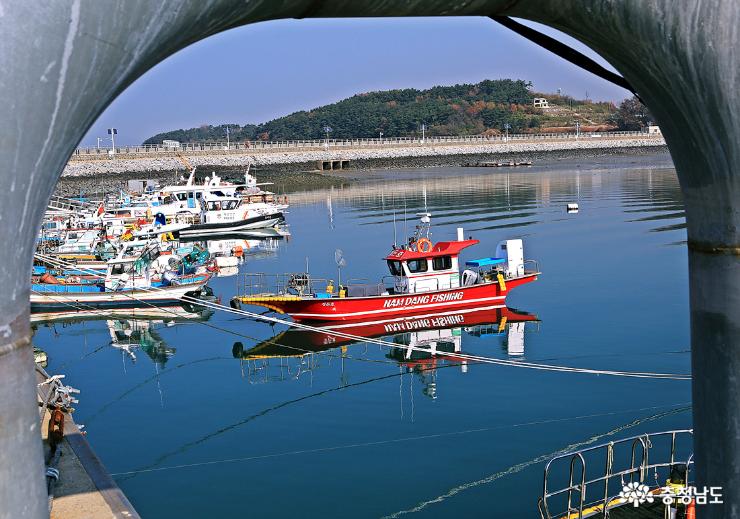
(424, 245)
(238, 251)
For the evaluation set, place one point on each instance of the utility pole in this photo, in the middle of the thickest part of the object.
(423, 130)
(228, 142)
(578, 129)
(113, 132)
(99, 139)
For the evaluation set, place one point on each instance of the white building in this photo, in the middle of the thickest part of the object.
(540, 102)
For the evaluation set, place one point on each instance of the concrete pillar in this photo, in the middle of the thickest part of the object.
(682, 56)
(64, 61)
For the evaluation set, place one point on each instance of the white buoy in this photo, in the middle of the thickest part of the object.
(572, 207)
(460, 234)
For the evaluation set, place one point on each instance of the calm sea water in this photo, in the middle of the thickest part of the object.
(358, 430)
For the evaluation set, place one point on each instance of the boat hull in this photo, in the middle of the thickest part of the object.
(257, 222)
(172, 295)
(317, 309)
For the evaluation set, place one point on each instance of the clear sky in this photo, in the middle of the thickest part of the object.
(256, 73)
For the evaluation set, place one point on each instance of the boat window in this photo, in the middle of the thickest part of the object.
(182, 196)
(121, 268)
(417, 265)
(395, 268)
(442, 263)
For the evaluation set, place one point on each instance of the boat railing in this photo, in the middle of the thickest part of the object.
(531, 266)
(296, 283)
(628, 460)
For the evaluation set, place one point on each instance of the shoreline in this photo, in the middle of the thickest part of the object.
(295, 177)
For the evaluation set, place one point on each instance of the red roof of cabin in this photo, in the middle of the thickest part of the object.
(443, 248)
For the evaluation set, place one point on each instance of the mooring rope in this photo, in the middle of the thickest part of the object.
(337, 333)
(677, 408)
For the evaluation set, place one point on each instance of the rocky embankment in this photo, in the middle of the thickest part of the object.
(406, 156)
(297, 171)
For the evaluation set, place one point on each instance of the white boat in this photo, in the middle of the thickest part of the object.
(222, 215)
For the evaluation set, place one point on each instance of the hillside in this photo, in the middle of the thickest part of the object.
(467, 109)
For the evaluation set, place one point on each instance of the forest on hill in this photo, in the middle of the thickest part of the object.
(465, 109)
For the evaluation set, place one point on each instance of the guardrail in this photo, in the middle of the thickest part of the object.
(324, 144)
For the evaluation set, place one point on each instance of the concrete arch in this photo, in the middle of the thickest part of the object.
(64, 61)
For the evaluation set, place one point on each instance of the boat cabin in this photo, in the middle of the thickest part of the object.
(222, 209)
(422, 267)
(415, 269)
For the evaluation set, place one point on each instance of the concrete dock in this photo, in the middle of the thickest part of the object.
(84, 488)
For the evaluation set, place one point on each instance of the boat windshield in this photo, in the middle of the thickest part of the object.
(395, 268)
(224, 205)
(122, 268)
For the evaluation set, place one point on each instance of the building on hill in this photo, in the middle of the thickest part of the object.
(540, 102)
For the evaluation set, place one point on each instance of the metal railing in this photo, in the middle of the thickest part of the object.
(639, 468)
(338, 144)
(299, 283)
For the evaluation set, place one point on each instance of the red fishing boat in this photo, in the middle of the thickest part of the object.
(424, 278)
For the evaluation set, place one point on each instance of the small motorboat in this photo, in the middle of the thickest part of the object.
(129, 281)
(231, 214)
(424, 277)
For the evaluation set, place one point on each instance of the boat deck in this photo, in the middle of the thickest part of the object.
(655, 510)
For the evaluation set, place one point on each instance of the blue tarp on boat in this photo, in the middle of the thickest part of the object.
(484, 262)
(46, 288)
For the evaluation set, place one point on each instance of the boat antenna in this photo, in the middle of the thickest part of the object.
(424, 190)
(395, 240)
(405, 227)
(341, 262)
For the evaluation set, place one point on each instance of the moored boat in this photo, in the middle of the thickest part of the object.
(129, 281)
(424, 277)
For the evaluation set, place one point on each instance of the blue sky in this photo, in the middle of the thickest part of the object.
(255, 73)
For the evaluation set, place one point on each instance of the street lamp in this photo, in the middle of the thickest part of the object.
(381, 137)
(327, 130)
(423, 129)
(228, 144)
(578, 129)
(113, 132)
(507, 127)
(99, 139)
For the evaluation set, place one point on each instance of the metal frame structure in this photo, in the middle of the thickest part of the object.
(644, 442)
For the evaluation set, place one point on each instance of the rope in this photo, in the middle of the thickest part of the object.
(391, 441)
(460, 356)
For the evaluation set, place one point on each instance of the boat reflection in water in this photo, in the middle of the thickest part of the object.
(232, 250)
(131, 329)
(419, 344)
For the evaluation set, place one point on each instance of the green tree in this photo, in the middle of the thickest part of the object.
(631, 115)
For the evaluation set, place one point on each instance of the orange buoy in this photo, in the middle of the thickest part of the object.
(691, 510)
(424, 245)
